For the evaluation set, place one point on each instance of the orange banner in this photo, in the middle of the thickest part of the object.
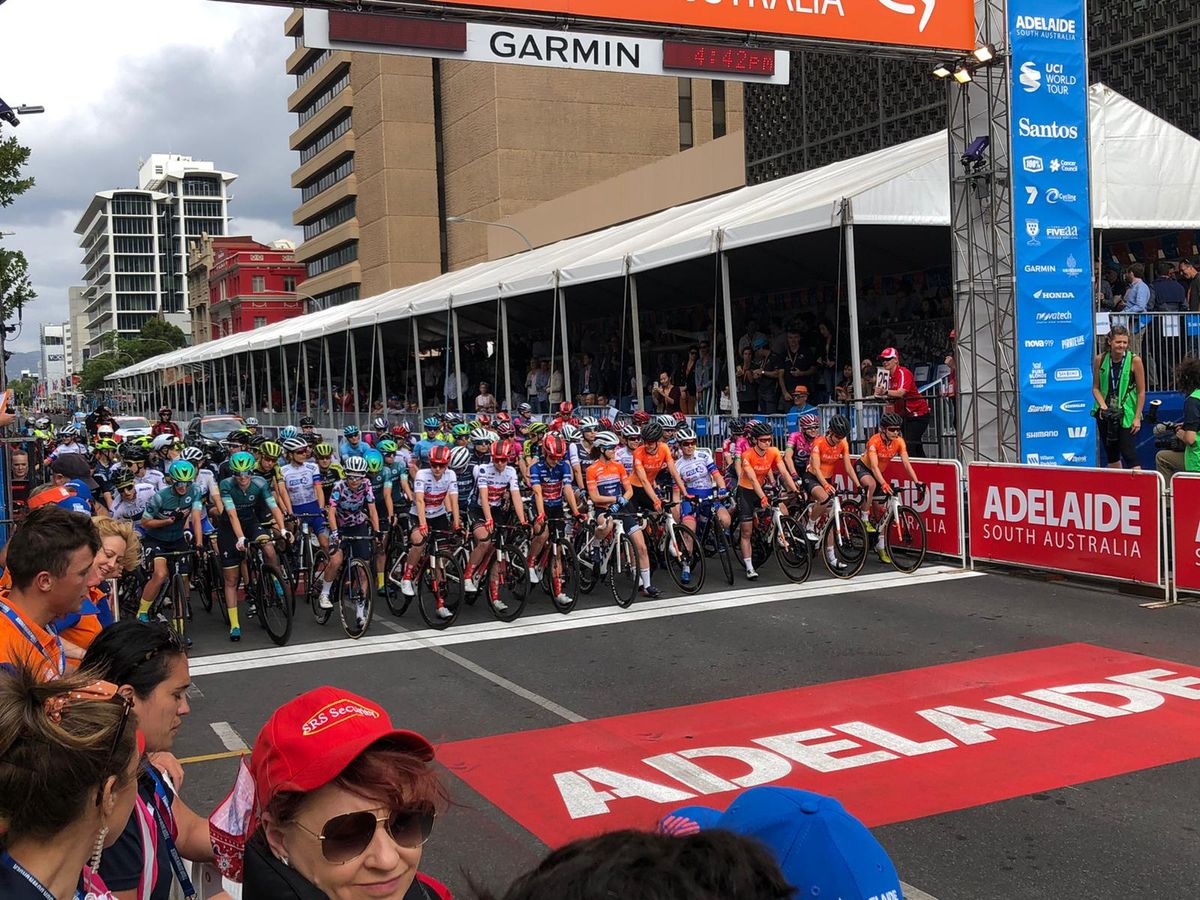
(937, 24)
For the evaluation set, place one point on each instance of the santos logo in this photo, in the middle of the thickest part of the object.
(1040, 342)
(1068, 375)
(1077, 431)
(1053, 295)
(1053, 130)
(1063, 316)
(1073, 406)
(1072, 342)
(1031, 78)
(1034, 408)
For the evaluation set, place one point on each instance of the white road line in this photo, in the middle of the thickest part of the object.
(555, 622)
(229, 737)
(912, 893)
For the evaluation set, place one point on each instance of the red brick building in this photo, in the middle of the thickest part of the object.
(251, 284)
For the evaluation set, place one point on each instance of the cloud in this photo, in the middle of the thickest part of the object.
(128, 79)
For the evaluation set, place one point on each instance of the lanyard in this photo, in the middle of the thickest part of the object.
(28, 634)
(161, 809)
(7, 860)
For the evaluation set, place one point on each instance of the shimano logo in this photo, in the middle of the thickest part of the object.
(1063, 316)
(1072, 406)
(1040, 268)
(1031, 77)
(1029, 435)
(1039, 342)
(1068, 375)
(1054, 195)
(1077, 431)
(1028, 128)
(1033, 164)
(1062, 232)
(1045, 408)
(1072, 342)
(1053, 295)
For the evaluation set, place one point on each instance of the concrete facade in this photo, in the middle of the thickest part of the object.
(78, 318)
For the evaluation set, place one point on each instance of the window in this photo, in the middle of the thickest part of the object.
(258, 284)
(289, 283)
(196, 186)
(202, 208)
(133, 245)
(325, 138)
(343, 212)
(131, 206)
(339, 83)
(132, 226)
(338, 256)
(327, 180)
(143, 283)
(260, 321)
(686, 137)
(311, 66)
(718, 95)
(337, 297)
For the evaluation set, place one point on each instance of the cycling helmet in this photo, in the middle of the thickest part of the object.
(504, 429)
(839, 425)
(294, 445)
(356, 465)
(483, 419)
(270, 449)
(68, 431)
(759, 430)
(501, 451)
(631, 431)
(387, 446)
(679, 417)
(571, 434)
(162, 442)
(192, 454)
(181, 471)
(323, 449)
(666, 420)
(105, 445)
(554, 447)
(536, 429)
(121, 478)
(307, 422)
(891, 420)
(350, 430)
(564, 408)
(240, 436)
(432, 423)
(164, 411)
(374, 461)
(462, 429)
(685, 434)
(256, 441)
(379, 423)
(605, 424)
(41, 421)
(439, 455)
(400, 430)
(104, 430)
(640, 418)
(524, 409)
(287, 432)
(460, 458)
(651, 432)
(134, 453)
(479, 436)
(809, 420)
(144, 441)
(252, 422)
(242, 463)
(589, 423)
(605, 440)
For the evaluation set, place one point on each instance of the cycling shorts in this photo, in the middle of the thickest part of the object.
(312, 514)
(436, 523)
(157, 548)
(206, 527)
(687, 508)
(641, 499)
(863, 472)
(627, 516)
(360, 540)
(807, 482)
(501, 516)
(747, 503)
(231, 556)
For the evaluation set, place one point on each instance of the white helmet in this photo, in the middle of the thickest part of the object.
(162, 442)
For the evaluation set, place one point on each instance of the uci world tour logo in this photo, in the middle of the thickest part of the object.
(909, 9)
(1031, 77)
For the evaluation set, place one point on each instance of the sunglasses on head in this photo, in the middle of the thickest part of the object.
(345, 837)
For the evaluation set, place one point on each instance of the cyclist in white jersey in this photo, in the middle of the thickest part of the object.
(631, 439)
(435, 507)
(206, 483)
(303, 488)
(130, 497)
(700, 476)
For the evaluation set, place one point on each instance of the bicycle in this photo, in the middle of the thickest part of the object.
(306, 557)
(207, 579)
(438, 576)
(903, 530)
(613, 557)
(713, 538)
(557, 563)
(397, 552)
(508, 571)
(842, 534)
(780, 535)
(269, 591)
(668, 542)
(351, 590)
(173, 603)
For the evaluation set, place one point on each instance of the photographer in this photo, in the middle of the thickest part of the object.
(1183, 453)
(1119, 386)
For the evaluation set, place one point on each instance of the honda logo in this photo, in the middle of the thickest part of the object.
(1077, 431)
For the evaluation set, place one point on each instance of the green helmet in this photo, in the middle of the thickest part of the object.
(374, 461)
(242, 462)
(323, 449)
(271, 450)
(461, 430)
(388, 446)
(181, 471)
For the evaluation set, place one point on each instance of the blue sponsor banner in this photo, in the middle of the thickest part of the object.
(1052, 230)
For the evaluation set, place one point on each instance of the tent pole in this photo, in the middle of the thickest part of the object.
(253, 386)
(457, 362)
(225, 379)
(354, 370)
(307, 392)
(566, 357)
(507, 362)
(417, 369)
(287, 384)
(270, 404)
(731, 370)
(383, 391)
(852, 302)
(329, 378)
(237, 377)
(637, 346)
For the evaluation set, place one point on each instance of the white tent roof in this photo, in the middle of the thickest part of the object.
(907, 184)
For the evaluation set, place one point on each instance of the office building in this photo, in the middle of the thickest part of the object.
(391, 145)
(52, 367)
(78, 320)
(133, 240)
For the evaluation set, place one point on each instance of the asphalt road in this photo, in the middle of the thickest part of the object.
(1129, 834)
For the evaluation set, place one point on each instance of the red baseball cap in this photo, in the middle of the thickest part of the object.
(888, 353)
(310, 740)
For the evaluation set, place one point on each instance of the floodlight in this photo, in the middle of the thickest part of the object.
(976, 151)
(985, 53)
(962, 75)
(942, 71)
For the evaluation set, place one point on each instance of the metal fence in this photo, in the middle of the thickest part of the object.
(1162, 339)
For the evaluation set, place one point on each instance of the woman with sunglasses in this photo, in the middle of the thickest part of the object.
(77, 734)
(346, 801)
(148, 663)
(882, 448)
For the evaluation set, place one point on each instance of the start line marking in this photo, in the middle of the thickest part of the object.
(217, 664)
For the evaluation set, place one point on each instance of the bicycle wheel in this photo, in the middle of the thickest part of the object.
(354, 601)
(507, 584)
(393, 567)
(275, 603)
(844, 549)
(564, 587)
(440, 586)
(313, 587)
(587, 553)
(202, 582)
(624, 582)
(795, 559)
(177, 606)
(905, 540)
(693, 559)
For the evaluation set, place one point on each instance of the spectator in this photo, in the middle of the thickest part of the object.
(844, 391)
(1104, 294)
(348, 803)
(541, 386)
(869, 379)
(49, 560)
(800, 404)
(1191, 284)
(685, 378)
(165, 425)
(667, 397)
(1169, 295)
(767, 369)
(19, 482)
(485, 402)
(704, 380)
(901, 387)
(1137, 301)
(1167, 461)
(747, 391)
(589, 380)
(451, 390)
(826, 361)
(101, 415)
(73, 472)
(797, 365)
(69, 758)
(1119, 387)
(555, 390)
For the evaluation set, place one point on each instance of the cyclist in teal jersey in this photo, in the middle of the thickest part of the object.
(380, 478)
(166, 516)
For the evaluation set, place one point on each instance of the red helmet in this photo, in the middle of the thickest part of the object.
(554, 447)
(556, 425)
(606, 424)
(483, 419)
(679, 416)
(500, 451)
(504, 428)
(503, 417)
(565, 408)
(400, 430)
(439, 455)
(641, 417)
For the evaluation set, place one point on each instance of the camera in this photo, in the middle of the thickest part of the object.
(1165, 439)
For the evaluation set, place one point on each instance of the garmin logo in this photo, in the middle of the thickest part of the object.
(1062, 316)
(1053, 130)
(1046, 267)
(1053, 295)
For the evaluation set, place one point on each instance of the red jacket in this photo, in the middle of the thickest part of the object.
(161, 427)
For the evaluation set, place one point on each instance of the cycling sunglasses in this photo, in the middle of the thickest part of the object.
(348, 836)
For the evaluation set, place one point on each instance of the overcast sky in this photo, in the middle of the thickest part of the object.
(121, 79)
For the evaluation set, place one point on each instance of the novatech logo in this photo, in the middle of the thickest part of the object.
(1071, 268)
(1031, 77)
(1035, 408)
(1072, 406)
(1077, 431)
(1063, 316)
(1053, 295)
(1062, 232)
(1030, 435)
(1072, 342)
(1068, 375)
(1033, 163)
(1054, 195)
(1039, 343)
(1051, 130)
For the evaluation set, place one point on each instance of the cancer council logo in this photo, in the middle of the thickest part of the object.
(1031, 77)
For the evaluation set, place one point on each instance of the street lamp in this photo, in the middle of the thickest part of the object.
(512, 228)
(9, 113)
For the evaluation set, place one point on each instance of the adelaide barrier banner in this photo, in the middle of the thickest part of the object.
(942, 507)
(1185, 533)
(1105, 523)
(1052, 230)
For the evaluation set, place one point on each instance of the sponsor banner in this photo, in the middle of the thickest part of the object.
(942, 508)
(890, 747)
(1185, 532)
(1103, 523)
(1051, 229)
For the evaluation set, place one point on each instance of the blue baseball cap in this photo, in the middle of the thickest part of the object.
(822, 849)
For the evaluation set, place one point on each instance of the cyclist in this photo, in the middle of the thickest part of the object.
(700, 475)
(351, 512)
(611, 491)
(758, 464)
(379, 431)
(103, 462)
(164, 425)
(650, 461)
(429, 439)
(287, 432)
(167, 514)
(308, 431)
(498, 497)
(130, 497)
(267, 455)
(631, 439)
(572, 435)
(524, 414)
(352, 444)
(303, 486)
(68, 442)
(380, 476)
(463, 464)
(404, 445)
(248, 499)
(435, 504)
(206, 483)
(551, 481)
(882, 448)
(401, 492)
(137, 458)
(481, 445)
(827, 451)
(252, 425)
(799, 451)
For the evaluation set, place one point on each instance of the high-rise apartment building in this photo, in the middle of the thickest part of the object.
(391, 145)
(78, 318)
(135, 244)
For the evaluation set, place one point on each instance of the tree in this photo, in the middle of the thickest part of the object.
(96, 369)
(22, 389)
(15, 287)
(13, 158)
